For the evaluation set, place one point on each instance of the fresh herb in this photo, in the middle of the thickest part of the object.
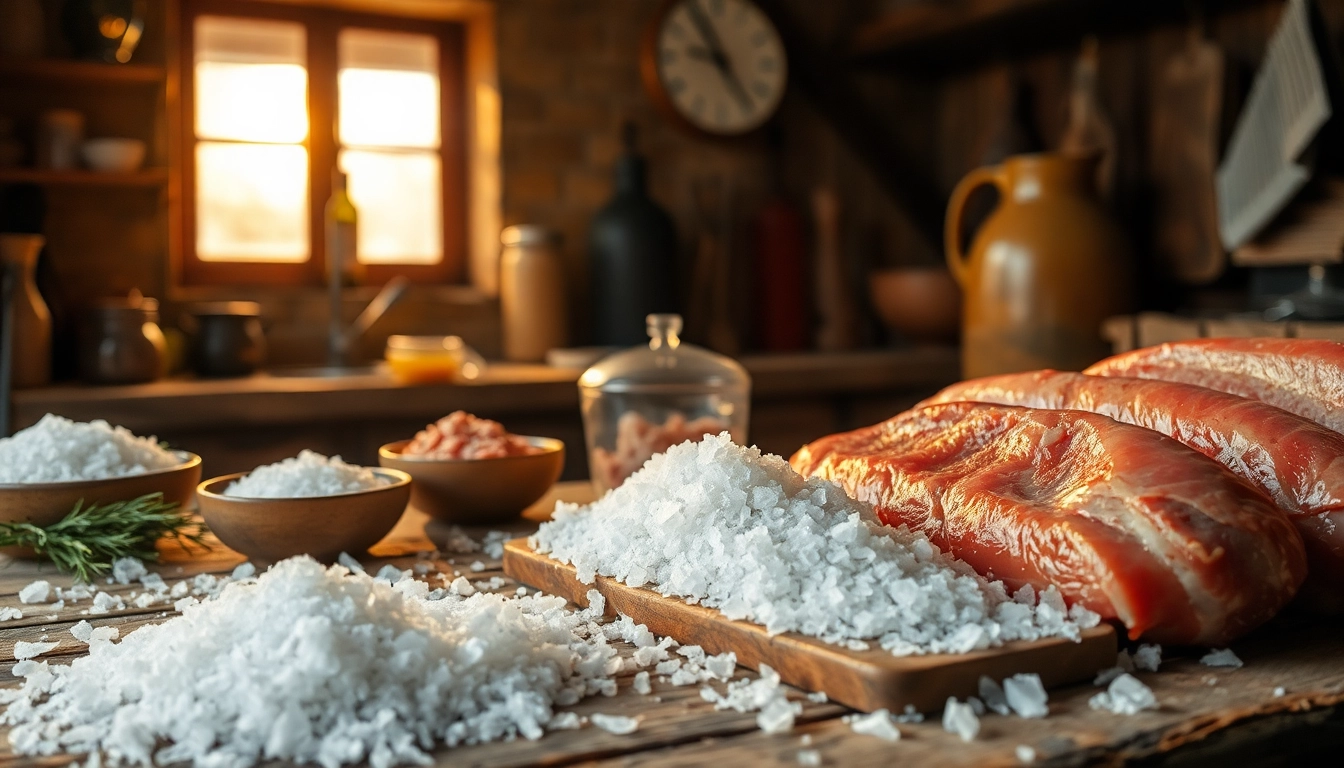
(86, 541)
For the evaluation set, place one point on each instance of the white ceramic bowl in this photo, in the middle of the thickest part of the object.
(114, 155)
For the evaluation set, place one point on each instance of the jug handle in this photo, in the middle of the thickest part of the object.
(956, 205)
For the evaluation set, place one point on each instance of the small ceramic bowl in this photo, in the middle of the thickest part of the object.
(478, 491)
(923, 304)
(113, 155)
(270, 530)
(43, 504)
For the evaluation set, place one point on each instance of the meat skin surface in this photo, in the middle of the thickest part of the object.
(1296, 462)
(1301, 376)
(1128, 522)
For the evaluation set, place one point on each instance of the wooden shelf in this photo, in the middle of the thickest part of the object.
(74, 71)
(146, 177)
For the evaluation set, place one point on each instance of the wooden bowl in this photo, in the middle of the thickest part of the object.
(43, 504)
(46, 503)
(919, 303)
(478, 491)
(270, 530)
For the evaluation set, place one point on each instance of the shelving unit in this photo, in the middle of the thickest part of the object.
(145, 177)
(74, 71)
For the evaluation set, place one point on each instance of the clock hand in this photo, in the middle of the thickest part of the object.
(716, 53)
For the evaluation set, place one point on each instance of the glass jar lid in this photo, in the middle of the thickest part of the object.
(666, 365)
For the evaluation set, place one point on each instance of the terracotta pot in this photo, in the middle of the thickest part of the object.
(920, 304)
(1043, 272)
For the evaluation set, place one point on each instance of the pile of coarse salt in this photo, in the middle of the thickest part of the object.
(57, 449)
(724, 526)
(308, 474)
(311, 664)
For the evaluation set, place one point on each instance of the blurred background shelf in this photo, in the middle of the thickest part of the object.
(147, 177)
(73, 71)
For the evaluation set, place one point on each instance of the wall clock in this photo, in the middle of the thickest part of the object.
(717, 67)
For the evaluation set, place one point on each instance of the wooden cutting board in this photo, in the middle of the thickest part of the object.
(864, 680)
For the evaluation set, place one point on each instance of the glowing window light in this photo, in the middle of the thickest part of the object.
(251, 202)
(388, 95)
(251, 84)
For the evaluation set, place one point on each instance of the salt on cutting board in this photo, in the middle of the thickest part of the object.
(710, 536)
(864, 680)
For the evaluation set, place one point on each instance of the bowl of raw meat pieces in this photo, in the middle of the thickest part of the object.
(471, 471)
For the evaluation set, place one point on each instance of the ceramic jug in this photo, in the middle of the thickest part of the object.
(31, 334)
(1045, 269)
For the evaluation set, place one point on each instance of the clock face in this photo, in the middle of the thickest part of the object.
(721, 64)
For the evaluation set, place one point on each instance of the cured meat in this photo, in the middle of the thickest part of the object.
(1302, 376)
(1297, 463)
(1126, 521)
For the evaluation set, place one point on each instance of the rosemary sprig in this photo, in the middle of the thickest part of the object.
(86, 541)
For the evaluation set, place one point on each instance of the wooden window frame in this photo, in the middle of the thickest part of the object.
(322, 27)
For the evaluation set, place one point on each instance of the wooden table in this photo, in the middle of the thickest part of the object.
(1208, 715)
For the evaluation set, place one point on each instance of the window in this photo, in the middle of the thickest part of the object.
(260, 82)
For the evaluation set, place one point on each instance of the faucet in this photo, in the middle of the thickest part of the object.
(339, 338)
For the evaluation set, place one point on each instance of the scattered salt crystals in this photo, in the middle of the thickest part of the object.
(1026, 695)
(180, 589)
(308, 474)
(104, 602)
(35, 592)
(959, 718)
(421, 568)
(1148, 657)
(991, 693)
(56, 449)
(617, 724)
(155, 583)
(458, 542)
(182, 605)
(1279, 692)
(521, 591)
(806, 740)
(731, 529)
(818, 697)
(910, 715)
(1125, 696)
(764, 695)
(809, 757)
(350, 563)
(1221, 658)
(128, 569)
(77, 592)
(172, 692)
(564, 721)
(877, 724)
(1211, 680)
(642, 685)
(9, 613)
(26, 650)
(460, 586)
(392, 574)
(477, 566)
(493, 547)
(1025, 755)
(82, 631)
(243, 571)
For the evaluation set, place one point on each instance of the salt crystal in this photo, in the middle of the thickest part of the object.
(992, 694)
(667, 667)
(100, 635)
(563, 721)
(642, 684)
(180, 589)
(1280, 691)
(1026, 695)
(777, 715)
(1025, 754)
(1125, 696)
(26, 650)
(477, 566)
(82, 630)
(35, 592)
(243, 571)
(806, 740)
(154, 583)
(1221, 658)
(349, 562)
(391, 574)
(910, 715)
(493, 546)
(9, 613)
(809, 757)
(722, 666)
(959, 718)
(310, 474)
(56, 449)
(977, 706)
(461, 586)
(877, 724)
(818, 697)
(1148, 657)
(814, 561)
(104, 602)
(185, 603)
(617, 724)
(128, 569)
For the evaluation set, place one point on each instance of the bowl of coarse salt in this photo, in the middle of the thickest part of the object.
(48, 468)
(306, 505)
(470, 471)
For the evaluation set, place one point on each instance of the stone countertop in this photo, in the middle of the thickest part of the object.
(504, 389)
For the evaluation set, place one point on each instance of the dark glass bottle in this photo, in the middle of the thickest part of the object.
(632, 256)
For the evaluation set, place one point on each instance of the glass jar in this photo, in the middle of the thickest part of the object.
(646, 399)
